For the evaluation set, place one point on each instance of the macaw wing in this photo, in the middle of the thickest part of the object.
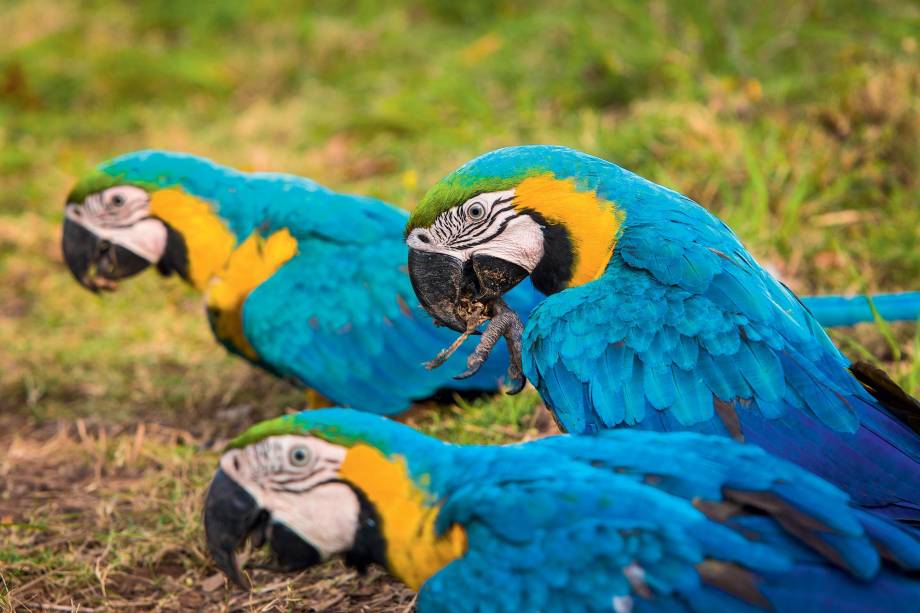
(342, 319)
(546, 543)
(678, 335)
(573, 536)
(731, 480)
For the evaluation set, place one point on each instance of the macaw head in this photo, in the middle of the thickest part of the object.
(511, 213)
(112, 229)
(151, 208)
(325, 483)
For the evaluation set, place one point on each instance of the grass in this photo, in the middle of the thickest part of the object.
(797, 123)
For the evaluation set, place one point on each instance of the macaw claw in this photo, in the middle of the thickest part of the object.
(476, 318)
(504, 323)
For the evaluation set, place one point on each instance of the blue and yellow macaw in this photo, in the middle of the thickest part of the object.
(623, 520)
(656, 318)
(307, 283)
(304, 282)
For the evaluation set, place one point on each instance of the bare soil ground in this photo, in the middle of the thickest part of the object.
(106, 518)
(96, 517)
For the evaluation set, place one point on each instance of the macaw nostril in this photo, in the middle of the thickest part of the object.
(424, 238)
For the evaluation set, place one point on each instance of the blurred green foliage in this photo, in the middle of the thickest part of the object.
(797, 122)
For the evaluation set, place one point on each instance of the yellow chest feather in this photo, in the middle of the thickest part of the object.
(592, 222)
(414, 551)
(249, 265)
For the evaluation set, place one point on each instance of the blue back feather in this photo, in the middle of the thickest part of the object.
(341, 316)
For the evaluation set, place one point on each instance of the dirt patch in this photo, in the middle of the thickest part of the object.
(97, 518)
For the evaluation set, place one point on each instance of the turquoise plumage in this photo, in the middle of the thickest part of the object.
(340, 316)
(683, 330)
(622, 520)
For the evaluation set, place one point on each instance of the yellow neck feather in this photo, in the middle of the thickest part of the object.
(414, 551)
(226, 272)
(592, 223)
(208, 241)
(249, 265)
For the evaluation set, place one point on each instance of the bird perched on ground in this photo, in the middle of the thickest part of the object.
(305, 282)
(657, 318)
(614, 521)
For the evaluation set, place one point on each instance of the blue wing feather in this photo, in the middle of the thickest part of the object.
(727, 331)
(579, 523)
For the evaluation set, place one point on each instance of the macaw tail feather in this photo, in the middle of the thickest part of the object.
(901, 404)
(849, 310)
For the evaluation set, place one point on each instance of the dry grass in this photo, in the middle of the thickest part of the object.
(97, 517)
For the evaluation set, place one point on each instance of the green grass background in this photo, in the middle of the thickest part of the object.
(797, 122)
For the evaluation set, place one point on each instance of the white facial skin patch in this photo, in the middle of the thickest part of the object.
(295, 479)
(121, 215)
(487, 224)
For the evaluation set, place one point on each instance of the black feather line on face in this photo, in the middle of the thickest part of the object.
(554, 271)
(370, 546)
(472, 242)
(478, 228)
(175, 258)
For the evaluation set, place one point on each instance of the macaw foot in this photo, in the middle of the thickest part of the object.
(315, 400)
(476, 317)
(504, 323)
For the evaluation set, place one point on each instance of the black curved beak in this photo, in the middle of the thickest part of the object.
(96, 262)
(437, 279)
(231, 515)
(443, 282)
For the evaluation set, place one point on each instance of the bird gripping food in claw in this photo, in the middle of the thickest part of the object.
(503, 322)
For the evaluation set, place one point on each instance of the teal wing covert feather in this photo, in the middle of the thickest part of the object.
(333, 319)
(642, 521)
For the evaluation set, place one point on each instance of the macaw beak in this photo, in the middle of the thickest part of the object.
(231, 515)
(443, 282)
(96, 263)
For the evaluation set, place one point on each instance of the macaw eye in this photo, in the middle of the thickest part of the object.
(476, 211)
(299, 456)
(117, 200)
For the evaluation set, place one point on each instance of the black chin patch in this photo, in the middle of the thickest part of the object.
(370, 546)
(554, 271)
(289, 551)
(175, 258)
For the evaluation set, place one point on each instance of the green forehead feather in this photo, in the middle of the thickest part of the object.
(455, 189)
(298, 423)
(99, 180)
